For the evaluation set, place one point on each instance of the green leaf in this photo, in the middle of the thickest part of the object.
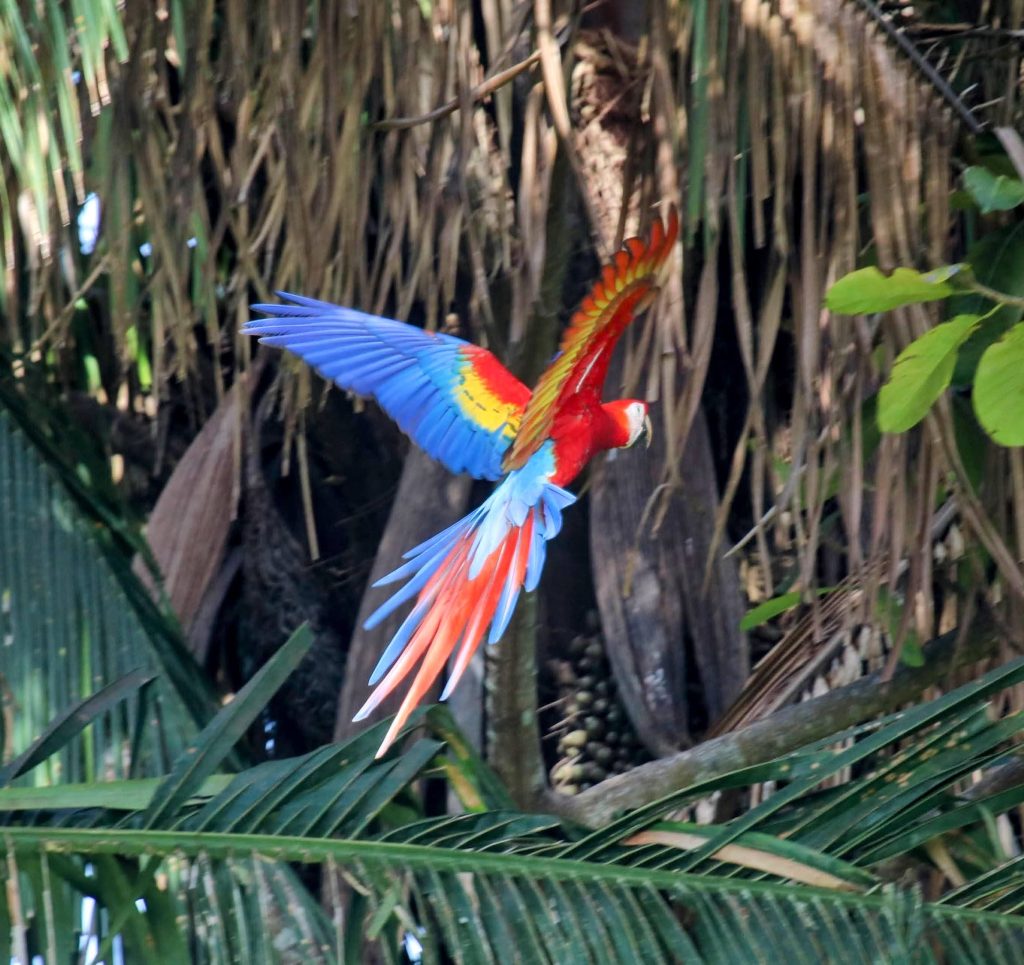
(470, 885)
(993, 192)
(465, 888)
(764, 612)
(217, 739)
(999, 389)
(868, 290)
(997, 261)
(912, 653)
(970, 440)
(921, 374)
(72, 722)
(131, 795)
(75, 618)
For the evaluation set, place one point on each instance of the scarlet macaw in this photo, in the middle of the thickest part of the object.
(464, 408)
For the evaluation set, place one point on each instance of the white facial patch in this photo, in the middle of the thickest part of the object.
(636, 413)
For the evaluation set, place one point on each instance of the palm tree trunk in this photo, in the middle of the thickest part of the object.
(649, 579)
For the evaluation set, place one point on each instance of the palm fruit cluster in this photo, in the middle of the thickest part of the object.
(594, 736)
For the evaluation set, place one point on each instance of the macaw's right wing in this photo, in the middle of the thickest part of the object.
(453, 399)
(626, 287)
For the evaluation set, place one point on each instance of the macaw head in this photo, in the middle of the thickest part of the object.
(633, 422)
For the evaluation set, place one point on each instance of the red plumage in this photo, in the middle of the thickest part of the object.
(461, 404)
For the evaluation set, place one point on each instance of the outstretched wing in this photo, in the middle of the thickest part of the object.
(625, 288)
(453, 399)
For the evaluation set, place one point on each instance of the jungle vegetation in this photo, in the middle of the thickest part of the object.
(767, 703)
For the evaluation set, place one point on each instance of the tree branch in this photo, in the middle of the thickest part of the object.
(782, 732)
(478, 93)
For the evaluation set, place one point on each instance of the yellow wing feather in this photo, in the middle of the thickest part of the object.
(486, 408)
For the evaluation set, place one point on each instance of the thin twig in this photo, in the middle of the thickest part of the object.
(959, 31)
(62, 319)
(478, 93)
(996, 296)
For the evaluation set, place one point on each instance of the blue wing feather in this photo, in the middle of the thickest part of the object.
(415, 376)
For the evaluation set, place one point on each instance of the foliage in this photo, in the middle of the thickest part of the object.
(925, 368)
(999, 389)
(868, 290)
(211, 851)
(218, 850)
(770, 609)
(993, 192)
(38, 81)
(356, 153)
(75, 620)
(922, 373)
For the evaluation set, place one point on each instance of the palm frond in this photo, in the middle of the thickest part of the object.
(478, 904)
(74, 619)
(475, 885)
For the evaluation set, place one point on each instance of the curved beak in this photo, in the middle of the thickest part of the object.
(648, 433)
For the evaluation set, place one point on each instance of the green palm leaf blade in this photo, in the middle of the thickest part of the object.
(71, 722)
(470, 900)
(497, 886)
(201, 759)
(955, 815)
(900, 727)
(74, 619)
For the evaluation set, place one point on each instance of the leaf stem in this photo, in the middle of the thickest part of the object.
(997, 296)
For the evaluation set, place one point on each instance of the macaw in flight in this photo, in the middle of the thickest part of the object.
(463, 407)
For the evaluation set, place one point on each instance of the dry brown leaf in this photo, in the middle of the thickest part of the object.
(188, 528)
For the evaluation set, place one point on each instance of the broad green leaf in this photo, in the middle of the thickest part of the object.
(868, 290)
(971, 441)
(766, 611)
(921, 374)
(993, 192)
(999, 389)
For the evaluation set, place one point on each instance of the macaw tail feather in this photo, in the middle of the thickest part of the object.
(466, 581)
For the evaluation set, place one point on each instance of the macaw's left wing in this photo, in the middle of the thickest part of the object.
(453, 399)
(626, 287)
